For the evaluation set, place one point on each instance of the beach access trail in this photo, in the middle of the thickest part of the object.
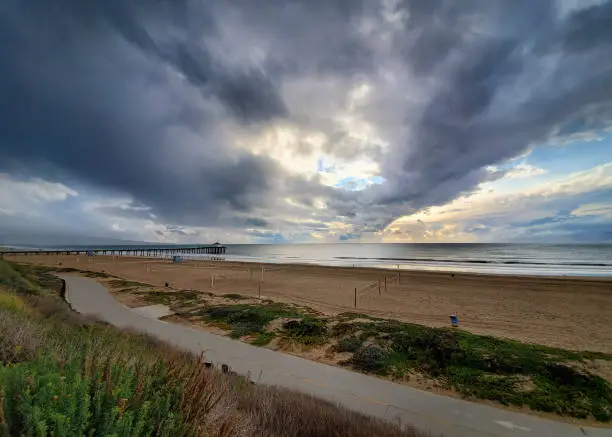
(437, 414)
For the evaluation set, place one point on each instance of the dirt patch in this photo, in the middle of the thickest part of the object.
(277, 324)
(525, 384)
(320, 354)
(192, 323)
(600, 368)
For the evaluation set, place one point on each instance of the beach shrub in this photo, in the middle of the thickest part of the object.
(432, 351)
(91, 274)
(234, 296)
(263, 338)
(122, 283)
(243, 328)
(371, 359)
(349, 344)
(166, 297)
(346, 316)
(245, 319)
(341, 329)
(307, 331)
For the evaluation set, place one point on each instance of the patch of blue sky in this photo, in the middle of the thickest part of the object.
(267, 237)
(352, 183)
(557, 161)
(350, 236)
(574, 156)
(322, 167)
(565, 209)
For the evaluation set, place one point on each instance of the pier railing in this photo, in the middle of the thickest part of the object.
(126, 251)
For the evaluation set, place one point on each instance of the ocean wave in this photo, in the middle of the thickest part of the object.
(476, 261)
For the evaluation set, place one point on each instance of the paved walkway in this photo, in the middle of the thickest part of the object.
(426, 411)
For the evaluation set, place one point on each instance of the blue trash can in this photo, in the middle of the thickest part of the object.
(454, 321)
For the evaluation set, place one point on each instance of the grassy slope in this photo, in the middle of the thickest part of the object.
(64, 375)
(541, 378)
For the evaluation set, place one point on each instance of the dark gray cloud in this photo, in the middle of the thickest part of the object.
(140, 99)
(589, 28)
(256, 222)
(497, 84)
(90, 95)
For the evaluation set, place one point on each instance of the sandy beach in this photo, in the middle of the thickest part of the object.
(572, 313)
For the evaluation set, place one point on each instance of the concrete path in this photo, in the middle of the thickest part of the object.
(437, 414)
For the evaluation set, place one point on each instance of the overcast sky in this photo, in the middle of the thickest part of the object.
(307, 120)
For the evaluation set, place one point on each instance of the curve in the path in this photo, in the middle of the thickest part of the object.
(425, 411)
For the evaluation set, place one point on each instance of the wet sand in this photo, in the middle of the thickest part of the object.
(572, 313)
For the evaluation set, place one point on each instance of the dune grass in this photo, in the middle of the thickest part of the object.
(62, 374)
(542, 378)
(247, 319)
(234, 296)
(263, 338)
(169, 297)
(307, 331)
(122, 283)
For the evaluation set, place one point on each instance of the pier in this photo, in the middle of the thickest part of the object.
(213, 249)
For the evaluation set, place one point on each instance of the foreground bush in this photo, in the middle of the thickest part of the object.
(94, 380)
(84, 397)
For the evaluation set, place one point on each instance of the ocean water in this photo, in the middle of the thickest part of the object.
(517, 259)
(511, 259)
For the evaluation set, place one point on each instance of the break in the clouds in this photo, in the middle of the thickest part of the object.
(293, 120)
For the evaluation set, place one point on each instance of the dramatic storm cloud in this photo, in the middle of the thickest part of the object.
(290, 120)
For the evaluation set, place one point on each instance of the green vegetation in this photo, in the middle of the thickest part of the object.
(122, 283)
(349, 344)
(246, 319)
(234, 296)
(85, 396)
(263, 338)
(96, 274)
(351, 316)
(542, 378)
(168, 297)
(512, 373)
(21, 278)
(12, 280)
(371, 359)
(62, 374)
(308, 331)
